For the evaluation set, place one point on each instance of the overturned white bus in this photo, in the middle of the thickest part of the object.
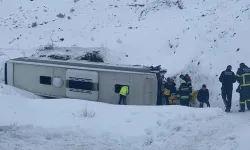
(85, 80)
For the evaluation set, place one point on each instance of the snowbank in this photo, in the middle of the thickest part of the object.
(78, 124)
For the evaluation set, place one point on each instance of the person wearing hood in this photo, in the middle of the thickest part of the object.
(227, 78)
(243, 78)
(184, 93)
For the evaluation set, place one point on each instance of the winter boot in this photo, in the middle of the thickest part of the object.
(227, 110)
(241, 110)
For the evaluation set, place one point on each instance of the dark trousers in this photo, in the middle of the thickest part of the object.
(184, 102)
(202, 103)
(245, 97)
(227, 97)
(122, 99)
(166, 97)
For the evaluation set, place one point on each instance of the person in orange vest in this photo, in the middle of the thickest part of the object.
(123, 94)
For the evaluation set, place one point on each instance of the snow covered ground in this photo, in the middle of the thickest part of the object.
(196, 37)
(62, 124)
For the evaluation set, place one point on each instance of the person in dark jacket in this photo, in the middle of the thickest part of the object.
(227, 78)
(169, 89)
(243, 78)
(203, 96)
(184, 93)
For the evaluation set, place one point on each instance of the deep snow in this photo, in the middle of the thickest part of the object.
(72, 124)
(201, 39)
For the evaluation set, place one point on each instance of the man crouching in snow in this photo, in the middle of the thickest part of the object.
(203, 96)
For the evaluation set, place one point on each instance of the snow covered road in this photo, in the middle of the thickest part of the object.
(62, 124)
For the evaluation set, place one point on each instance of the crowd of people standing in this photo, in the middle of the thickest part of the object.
(185, 93)
(228, 78)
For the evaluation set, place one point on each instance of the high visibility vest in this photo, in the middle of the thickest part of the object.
(166, 92)
(245, 79)
(194, 94)
(124, 90)
(172, 100)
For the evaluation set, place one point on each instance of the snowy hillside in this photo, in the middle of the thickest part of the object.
(199, 37)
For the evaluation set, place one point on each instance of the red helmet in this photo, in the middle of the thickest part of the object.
(170, 79)
(187, 77)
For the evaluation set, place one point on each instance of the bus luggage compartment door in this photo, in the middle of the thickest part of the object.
(82, 84)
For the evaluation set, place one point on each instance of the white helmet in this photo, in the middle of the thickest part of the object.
(182, 81)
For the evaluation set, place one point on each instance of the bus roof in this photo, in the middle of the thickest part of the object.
(97, 65)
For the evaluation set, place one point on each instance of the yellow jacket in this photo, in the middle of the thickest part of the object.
(166, 92)
(194, 94)
(124, 90)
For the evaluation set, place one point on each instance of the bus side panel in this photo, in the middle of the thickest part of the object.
(150, 90)
(38, 79)
(9, 73)
(82, 84)
(136, 94)
(108, 83)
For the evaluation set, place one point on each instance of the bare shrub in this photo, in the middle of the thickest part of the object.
(180, 4)
(119, 41)
(34, 24)
(47, 47)
(85, 113)
(148, 141)
(72, 10)
(60, 15)
(157, 5)
(94, 56)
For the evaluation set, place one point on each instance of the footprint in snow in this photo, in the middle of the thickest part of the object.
(128, 120)
(159, 123)
(230, 138)
(148, 131)
(134, 113)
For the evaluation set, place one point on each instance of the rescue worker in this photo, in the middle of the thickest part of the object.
(243, 78)
(188, 80)
(227, 78)
(123, 94)
(184, 93)
(203, 96)
(169, 91)
(172, 100)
